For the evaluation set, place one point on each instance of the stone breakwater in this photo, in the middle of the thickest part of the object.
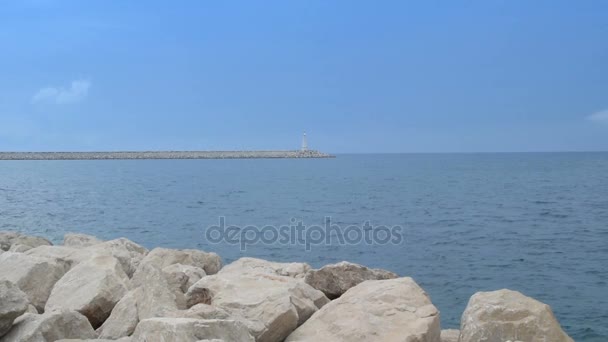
(161, 155)
(93, 290)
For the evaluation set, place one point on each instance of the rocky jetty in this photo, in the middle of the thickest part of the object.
(161, 155)
(93, 290)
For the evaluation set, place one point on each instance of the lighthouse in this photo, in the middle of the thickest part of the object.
(304, 143)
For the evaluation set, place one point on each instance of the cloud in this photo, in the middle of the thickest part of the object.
(76, 92)
(599, 117)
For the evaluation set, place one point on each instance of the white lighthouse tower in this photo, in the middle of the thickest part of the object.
(304, 143)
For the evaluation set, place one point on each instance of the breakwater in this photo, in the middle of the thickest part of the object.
(161, 155)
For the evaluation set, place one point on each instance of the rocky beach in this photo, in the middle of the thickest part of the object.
(87, 289)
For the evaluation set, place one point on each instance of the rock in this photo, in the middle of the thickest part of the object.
(123, 339)
(204, 311)
(92, 288)
(163, 257)
(35, 276)
(259, 266)
(450, 335)
(7, 239)
(335, 279)
(509, 315)
(270, 305)
(190, 330)
(75, 240)
(126, 251)
(375, 310)
(31, 309)
(19, 248)
(68, 256)
(13, 303)
(50, 326)
(123, 319)
(185, 275)
(157, 298)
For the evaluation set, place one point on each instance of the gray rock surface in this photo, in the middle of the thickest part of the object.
(123, 319)
(157, 298)
(163, 257)
(509, 315)
(13, 303)
(35, 276)
(92, 288)
(450, 335)
(185, 275)
(335, 279)
(7, 239)
(77, 240)
(50, 327)
(375, 310)
(190, 330)
(270, 305)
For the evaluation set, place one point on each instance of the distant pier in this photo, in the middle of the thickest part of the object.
(162, 155)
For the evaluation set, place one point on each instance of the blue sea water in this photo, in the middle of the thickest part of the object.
(533, 222)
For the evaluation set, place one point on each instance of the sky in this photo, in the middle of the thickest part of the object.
(357, 76)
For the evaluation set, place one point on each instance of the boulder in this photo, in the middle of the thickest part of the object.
(450, 335)
(7, 239)
(157, 297)
(509, 315)
(92, 288)
(31, 309)
(375, 310)
(190, 330)
(76, 240)
(35, 276)
(123, 319)
(126, 251)
(271, 305)
(203, 311)
(185, 275)
(19, 248)
(255, 266)
(68, 256)
(163, 257)
(123, 339)
(50, 326)
(13, 303)
(335, 279)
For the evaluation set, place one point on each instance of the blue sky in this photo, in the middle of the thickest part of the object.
(357, 76)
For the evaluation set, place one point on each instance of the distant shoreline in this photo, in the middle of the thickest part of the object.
(161, 155)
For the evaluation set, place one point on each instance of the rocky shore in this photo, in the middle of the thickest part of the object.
(161, 155)
(93, 290)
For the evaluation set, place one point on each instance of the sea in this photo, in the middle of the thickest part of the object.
(532, 222)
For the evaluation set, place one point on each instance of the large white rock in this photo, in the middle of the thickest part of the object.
(509, 315)
(163, 257)
(123, 339)
(271, 305)
(77, 240)
(68, 256)
(35, 276)
(335, 279)
(157, 297)
(19, 248)
(190, 330)
(375, 310)
(126, 251)
(259, 266)
(7, 239)
(92, 288)
(450, 335)
(184, 275)
(49, 327)
(13, 303)
(123, 319)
